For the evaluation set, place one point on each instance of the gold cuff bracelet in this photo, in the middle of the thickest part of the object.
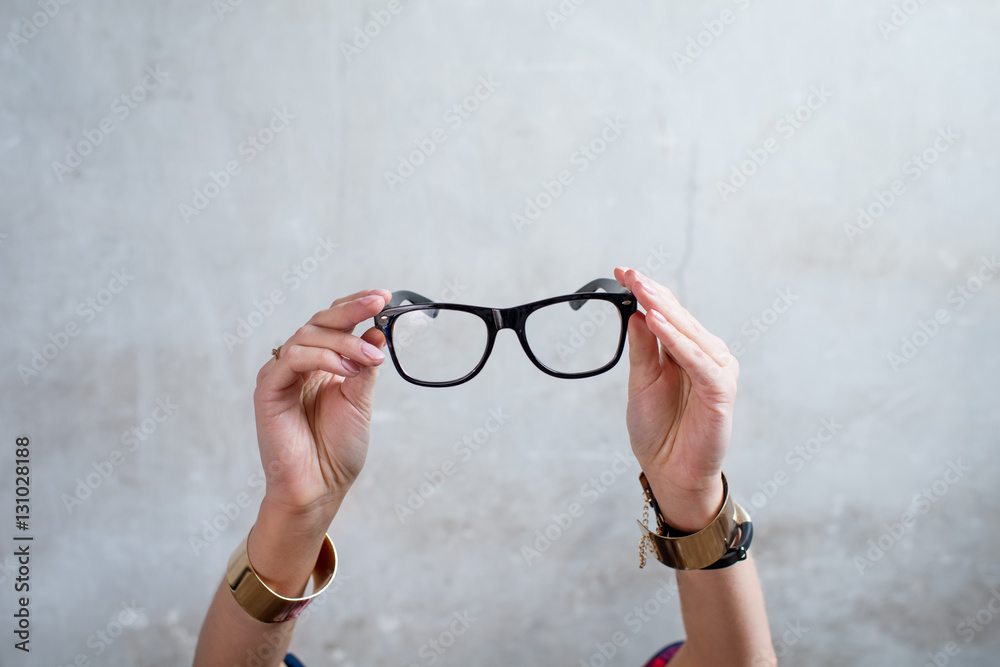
(263, 604)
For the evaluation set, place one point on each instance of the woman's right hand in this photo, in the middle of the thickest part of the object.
(313, 409)
(314, 405)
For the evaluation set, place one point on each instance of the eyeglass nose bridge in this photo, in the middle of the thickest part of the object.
(509, 318)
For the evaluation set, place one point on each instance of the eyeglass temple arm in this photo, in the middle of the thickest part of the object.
(401, 296)
(606, 284)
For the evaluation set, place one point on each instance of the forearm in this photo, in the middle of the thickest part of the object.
(723, 610)
(724, 618)
(230, 637)
(283, 550)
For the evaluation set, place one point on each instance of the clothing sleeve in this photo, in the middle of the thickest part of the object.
(664, 656)
(658, 660)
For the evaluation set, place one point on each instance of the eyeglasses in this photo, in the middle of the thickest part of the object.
(445, 344)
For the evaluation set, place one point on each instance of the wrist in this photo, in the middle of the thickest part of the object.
(688, 509)
(284, 545)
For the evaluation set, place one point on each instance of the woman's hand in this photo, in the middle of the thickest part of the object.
(682, 386)
(314, 405)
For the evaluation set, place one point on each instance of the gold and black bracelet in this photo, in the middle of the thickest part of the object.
(720, 544)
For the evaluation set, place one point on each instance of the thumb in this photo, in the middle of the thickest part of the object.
(359, 389)
(643, 355)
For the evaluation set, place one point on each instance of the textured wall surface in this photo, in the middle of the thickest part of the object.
(184, 184)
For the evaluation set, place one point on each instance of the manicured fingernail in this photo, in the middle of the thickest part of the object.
(351, 367)
(382, 292)
(372, 352)
(623, 269)
(645, 286)
(655, 314)
(370, 299)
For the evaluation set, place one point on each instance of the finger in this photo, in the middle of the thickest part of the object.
(620, 275)
(344, 344)
(300, 360)
(358, 390)
(700, 367)
(347, 314)
(362, 293)
(643, 355)
(374, 336)
(653, 296)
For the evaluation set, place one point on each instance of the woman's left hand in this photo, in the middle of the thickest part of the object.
(681, 391)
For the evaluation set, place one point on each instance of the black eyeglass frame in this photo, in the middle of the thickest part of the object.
(514, 318)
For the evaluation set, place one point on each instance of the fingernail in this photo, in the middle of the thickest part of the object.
(657, 316)
(623, 269)
(351, 367)
(372, 352)
(643, 285)
(382, 292)
(369, 300)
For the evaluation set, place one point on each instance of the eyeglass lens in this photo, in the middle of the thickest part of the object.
(574, 341)
(449, 346)
(439, 349)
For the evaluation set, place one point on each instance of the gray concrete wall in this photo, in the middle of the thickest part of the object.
(170, 285)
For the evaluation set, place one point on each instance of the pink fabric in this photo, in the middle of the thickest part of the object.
(664, 656)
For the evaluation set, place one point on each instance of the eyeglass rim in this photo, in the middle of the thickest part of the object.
(513, 318)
